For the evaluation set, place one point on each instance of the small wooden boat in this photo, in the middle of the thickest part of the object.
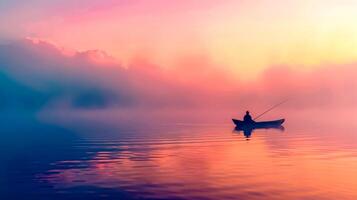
(252, 125)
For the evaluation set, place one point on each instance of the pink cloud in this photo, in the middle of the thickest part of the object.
(195, 82)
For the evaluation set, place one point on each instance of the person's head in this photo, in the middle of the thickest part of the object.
(247, 112)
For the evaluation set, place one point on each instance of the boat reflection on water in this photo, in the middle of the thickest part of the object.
(247, 131)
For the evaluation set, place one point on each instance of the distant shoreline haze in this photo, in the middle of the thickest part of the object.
(37, 76)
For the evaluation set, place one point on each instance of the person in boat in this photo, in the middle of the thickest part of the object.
(248, 118)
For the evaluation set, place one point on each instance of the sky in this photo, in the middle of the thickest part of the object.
(89, 54)
(243, 37)
(131, 63)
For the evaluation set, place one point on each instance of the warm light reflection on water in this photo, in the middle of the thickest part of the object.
(213, 162)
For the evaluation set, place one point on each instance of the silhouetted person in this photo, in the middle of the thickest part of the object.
(247, 117)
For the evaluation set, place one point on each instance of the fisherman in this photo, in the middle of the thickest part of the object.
(247, 117)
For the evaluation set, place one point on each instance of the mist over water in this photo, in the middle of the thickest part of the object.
(125, 99)
(66, 157)
(79, 127)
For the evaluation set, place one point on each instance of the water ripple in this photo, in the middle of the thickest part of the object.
(213, 163)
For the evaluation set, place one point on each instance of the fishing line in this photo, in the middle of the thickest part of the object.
(271, 109)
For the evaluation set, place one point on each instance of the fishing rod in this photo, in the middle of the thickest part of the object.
(271, 109)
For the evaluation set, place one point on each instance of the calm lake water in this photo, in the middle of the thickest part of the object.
(308, 160)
